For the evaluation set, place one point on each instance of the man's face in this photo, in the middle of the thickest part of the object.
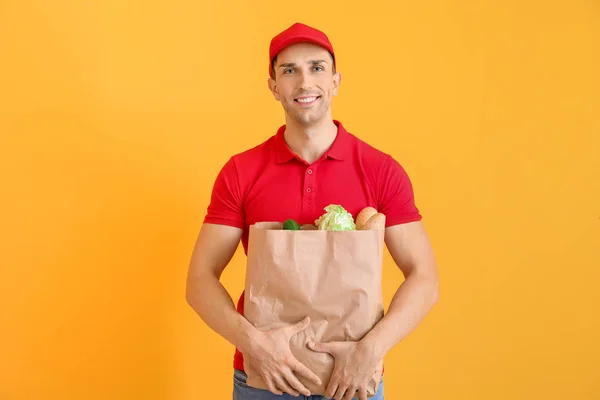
(305, 82)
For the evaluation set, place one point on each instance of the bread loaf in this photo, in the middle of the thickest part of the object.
(368, 218)
(377, 221)
(363, 216)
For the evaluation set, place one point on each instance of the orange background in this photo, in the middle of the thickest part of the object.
(115, 117)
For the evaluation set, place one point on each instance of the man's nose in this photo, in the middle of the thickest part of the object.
(304, 80)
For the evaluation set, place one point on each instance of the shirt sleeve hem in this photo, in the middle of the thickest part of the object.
(224, 221)
(403, 220)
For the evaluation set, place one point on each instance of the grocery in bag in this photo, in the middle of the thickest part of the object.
(330, 271)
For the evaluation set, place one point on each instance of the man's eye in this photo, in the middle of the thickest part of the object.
(319, 68)
(285, 71)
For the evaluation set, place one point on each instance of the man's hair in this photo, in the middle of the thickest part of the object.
(330, 55)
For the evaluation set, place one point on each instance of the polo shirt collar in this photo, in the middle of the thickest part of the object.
(338, 150)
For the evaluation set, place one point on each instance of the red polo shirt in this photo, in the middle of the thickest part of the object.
(271, 183)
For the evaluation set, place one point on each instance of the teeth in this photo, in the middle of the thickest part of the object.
(307, 100)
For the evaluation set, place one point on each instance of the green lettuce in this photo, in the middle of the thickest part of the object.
(336, 218)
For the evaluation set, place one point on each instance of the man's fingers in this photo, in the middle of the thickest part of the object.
(300, 326)
(350, 393)
(307, 373)
(296, 384)
(362, 394)
(340, 392)
(272, 387)
(319, 347)
(331, 389)
(332, 348)
(282, 384)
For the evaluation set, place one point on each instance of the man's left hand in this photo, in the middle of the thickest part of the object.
(355, 366)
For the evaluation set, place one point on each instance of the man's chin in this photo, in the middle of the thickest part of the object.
(307, 122)
(307, 119)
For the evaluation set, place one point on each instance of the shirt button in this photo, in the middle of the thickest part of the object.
(309, 171)
(308, 190)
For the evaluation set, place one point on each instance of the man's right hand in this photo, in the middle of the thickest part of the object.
(269, 356)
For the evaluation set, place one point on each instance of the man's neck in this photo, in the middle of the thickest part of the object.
(310, 142)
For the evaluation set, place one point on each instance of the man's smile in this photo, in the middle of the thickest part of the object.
(307, 101)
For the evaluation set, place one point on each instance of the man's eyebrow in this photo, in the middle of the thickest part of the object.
(287, 65)
(313, 62)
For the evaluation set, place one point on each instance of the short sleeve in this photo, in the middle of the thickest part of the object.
(226, 202)
(395, 194)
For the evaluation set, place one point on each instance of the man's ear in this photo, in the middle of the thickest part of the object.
(337, 80)
(273, 88)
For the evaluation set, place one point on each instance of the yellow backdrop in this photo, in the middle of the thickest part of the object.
(115, 117)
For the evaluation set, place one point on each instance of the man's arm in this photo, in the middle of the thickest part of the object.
(214, 248)
(411, 250)
(268, 353)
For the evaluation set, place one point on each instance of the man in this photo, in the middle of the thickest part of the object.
(310, 162)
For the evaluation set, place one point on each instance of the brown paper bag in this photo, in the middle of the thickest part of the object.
(334, 277)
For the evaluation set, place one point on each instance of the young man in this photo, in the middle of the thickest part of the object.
(310, 162)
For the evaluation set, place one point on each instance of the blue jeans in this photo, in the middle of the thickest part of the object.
(241, 391)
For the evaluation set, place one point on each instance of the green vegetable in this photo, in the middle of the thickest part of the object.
(336, 218)
(291, 225)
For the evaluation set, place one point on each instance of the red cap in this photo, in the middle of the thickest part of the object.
(297, 33)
